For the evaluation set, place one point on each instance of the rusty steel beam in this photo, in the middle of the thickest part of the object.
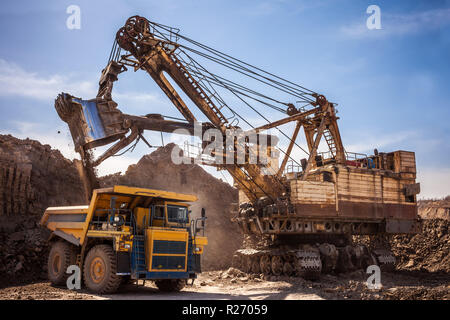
(314, 148)
(168, 126)
(295, 117)
(125, 141)
(289, 150)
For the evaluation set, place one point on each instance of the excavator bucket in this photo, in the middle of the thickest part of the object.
(92, 123)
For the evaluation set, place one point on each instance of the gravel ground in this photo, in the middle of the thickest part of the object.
(233, 284)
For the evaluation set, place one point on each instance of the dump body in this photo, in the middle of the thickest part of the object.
(149, 230)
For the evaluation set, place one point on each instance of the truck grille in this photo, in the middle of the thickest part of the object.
(168, 263)
(169, 247)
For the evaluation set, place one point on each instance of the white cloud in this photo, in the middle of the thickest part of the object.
(116, 164)
(401, 24)
(15, 81)
(144, 97)
(366, 143)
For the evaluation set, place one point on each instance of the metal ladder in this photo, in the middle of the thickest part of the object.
(330, 142)
(199, 90)
(139, 253)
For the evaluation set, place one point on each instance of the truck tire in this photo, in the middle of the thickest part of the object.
(62, 255)
(170, 285)
(99, 270)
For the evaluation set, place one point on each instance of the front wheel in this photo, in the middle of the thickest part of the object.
(100, 270)
(170, 285)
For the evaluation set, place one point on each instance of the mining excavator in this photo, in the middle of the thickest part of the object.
(303, 214)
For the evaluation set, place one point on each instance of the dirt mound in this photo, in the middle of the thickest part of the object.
(32, 178)
(428, 250)
(434, 209)
(157, 171)
(23, 250)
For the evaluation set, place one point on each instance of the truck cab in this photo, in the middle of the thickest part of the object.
(127, 233)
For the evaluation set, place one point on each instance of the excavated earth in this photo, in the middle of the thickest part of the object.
(34, 176)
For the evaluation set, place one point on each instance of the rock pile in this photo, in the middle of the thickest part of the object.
(435, 209)
(426, 251)
(23, 250)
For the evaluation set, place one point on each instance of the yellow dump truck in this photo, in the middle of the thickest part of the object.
(127, 234)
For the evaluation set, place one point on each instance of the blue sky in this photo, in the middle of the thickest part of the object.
(391, 84)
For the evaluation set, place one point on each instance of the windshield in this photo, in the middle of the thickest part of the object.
(177, 214)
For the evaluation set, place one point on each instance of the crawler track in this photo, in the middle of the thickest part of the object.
(309, 261)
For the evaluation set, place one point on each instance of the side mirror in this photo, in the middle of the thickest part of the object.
(203, 217)
(112, 203)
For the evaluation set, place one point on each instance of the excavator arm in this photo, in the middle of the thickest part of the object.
(99, 122)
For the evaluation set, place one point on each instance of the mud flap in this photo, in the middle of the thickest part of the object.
(123, 263)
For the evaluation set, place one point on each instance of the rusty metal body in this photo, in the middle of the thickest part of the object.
(343, 199)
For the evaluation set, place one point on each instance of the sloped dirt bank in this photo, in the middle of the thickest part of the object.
(32, 177)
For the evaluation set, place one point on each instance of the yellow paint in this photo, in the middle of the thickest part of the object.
(155, 193)
(106, 233)
(123, 240)
(199, 242)
(167, 235)
(139, 214)
(89, 215)
(101, 200)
